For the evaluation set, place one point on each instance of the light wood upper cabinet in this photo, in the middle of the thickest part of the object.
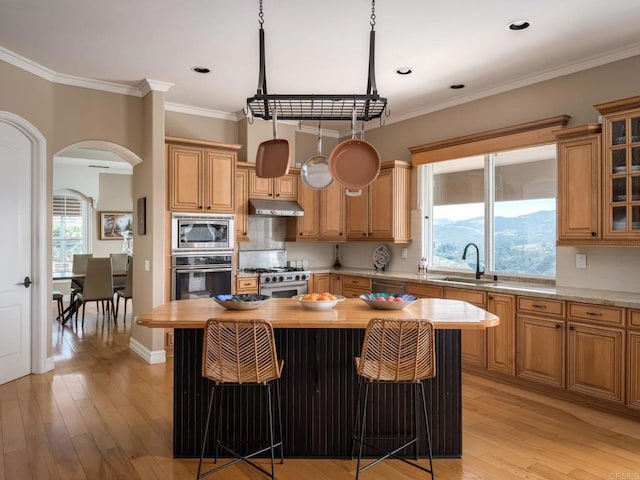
(382, 211)
(595, 361)
(202, 175)
(279, 188)
(579, 193)
(242, 205)
(621, 170)
(501, 339)
(331, 219)
(305, 228)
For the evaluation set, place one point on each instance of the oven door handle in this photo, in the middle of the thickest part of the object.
(201, 270)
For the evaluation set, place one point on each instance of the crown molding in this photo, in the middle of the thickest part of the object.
(26, 64)
(148, 85)
(199, 111)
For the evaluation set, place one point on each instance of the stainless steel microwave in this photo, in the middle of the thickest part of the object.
(201, 233)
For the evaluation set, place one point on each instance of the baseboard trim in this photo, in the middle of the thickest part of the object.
(149, 356)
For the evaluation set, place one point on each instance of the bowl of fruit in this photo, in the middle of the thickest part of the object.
(318, 301)
(244, 301)
(388, 301)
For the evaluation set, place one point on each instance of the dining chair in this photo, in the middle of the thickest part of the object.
(240, 352)
(394, 351)
(79, 265)
(125, 293)
(98, 285)
(119, 263)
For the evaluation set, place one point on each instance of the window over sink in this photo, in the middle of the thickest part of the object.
(503, 202)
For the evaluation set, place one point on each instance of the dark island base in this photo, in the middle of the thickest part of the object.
(319, 389)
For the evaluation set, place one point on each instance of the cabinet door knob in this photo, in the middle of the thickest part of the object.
(572, 327)
(277, 194)
(593, 234)
(558, 325)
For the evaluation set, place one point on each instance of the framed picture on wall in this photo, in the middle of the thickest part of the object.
(113, 225)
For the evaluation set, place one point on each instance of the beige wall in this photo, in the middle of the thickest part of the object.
(201, 128)
(66, 115)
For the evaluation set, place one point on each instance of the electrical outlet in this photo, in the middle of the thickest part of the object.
(405, 252)
(147, 266)
(581, 261)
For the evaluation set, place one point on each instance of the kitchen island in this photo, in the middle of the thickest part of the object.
(319, 383)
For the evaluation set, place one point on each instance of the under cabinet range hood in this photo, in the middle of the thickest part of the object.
(275, 208)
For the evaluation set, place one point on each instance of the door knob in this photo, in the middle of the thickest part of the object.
(27, 282)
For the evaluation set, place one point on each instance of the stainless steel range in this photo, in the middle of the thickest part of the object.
(274, 279)
(281, 282)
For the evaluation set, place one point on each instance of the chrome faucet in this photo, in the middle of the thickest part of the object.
(464, 257)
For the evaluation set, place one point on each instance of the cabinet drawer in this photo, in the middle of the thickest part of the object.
(354, 292)
(596, 313)
(554, 308)
(247, 285)
(358, 282)
(426, 291)
(475, 297)
(634, 318)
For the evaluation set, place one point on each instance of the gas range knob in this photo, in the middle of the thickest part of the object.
(297, 277)
(281, 279)
(267, 279)
(303, 277)
(274, 279)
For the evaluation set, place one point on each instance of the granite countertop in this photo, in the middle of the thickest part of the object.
(544, 290)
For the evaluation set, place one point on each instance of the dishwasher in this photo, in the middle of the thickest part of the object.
(387, 286)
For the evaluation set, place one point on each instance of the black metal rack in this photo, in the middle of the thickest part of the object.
(367, 106)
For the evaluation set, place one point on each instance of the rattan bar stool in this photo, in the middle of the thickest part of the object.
(396, 351)
(241, 352)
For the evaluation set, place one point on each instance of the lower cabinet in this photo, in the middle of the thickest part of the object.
(501, 340)
(474, 342)
(353, 286)
(424, 291)
(321, 283)
(335, 281)
(633, 383)
(595, 364)
(541, 349)
(247, 285)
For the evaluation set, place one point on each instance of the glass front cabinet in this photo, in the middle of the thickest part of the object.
(621, 178)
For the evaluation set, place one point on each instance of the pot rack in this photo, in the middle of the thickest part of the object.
(316, 107)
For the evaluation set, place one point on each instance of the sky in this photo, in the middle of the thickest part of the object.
(502, 209)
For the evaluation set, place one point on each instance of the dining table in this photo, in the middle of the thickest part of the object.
(319, 382)
(77, 278)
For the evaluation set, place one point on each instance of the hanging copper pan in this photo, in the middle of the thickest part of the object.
(272, 158)
(354, 163)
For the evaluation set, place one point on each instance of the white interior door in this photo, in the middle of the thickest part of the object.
(15, 253)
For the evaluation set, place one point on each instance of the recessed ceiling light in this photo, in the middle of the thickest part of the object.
(403, 70)
(456, 86)
(200, 69)
(518, 25)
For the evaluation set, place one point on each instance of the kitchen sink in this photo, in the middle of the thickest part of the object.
(470, 281)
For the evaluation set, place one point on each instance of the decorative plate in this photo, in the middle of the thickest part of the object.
(381, 257)
(388, 301)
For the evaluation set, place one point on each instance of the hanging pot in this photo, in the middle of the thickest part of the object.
(354, 163)
(315, 170)
(272, 158)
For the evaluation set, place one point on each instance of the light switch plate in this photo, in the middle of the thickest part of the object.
(405, 252)
(581, 261)
(147, 266)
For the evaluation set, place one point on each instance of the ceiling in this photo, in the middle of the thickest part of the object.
(319, 47)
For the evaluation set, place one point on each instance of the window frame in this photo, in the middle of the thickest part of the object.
(86, 204)
(488, 253)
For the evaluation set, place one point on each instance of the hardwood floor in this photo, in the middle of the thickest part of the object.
(103, 414)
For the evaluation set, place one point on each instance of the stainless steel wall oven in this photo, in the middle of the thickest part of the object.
(198, 275)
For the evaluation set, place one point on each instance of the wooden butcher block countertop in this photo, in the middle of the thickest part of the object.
(289, 313)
